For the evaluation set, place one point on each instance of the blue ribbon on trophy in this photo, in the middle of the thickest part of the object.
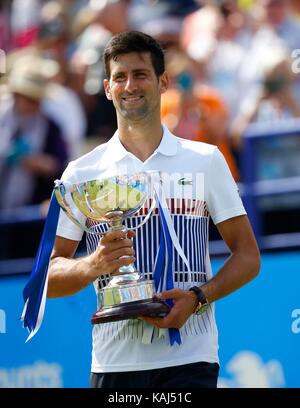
(163, 271)
(35, 291)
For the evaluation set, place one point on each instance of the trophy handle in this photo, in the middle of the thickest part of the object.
(60, 193)
(153, 205)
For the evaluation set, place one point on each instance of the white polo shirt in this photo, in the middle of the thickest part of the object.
(198, 185)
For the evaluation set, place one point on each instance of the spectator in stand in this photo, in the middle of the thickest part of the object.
(277, 28)
(162, 19)
(61, 103)
(275, 100)
(51, 40)
(195, 111)
(278, 15)
(218, 36)
(32, 150)
(64, 106)
(25, 19)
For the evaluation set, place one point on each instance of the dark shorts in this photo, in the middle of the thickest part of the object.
(195, 375)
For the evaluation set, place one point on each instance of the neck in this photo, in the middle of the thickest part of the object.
(140, 140)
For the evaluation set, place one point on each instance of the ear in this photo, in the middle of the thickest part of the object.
(107, 89)
(164, 82)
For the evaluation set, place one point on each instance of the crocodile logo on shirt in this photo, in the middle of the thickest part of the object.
(184, 182)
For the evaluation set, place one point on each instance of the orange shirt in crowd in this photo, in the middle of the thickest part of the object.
(200, 115)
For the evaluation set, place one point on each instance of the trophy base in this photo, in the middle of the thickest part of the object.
(132, 310)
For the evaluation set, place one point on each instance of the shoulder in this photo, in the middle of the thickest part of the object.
(86, 165)
(189, 155)
(196, 148)
(90, 157)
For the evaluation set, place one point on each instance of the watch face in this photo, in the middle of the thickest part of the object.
(201, 308)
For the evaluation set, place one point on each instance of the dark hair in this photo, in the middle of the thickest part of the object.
(134, 41)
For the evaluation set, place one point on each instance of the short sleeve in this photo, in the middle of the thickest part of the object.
(66, 228)
(223, 197)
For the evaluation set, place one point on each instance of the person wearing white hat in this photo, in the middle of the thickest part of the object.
(32, 150)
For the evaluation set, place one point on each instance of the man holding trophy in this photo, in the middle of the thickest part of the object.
(144, 199)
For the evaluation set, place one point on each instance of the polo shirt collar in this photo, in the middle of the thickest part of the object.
(168, 145)
(115, 148)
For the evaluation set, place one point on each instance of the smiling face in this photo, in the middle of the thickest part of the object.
(134, 87)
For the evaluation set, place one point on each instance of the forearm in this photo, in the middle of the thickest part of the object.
(236, 272)
(68, 276)
(239, 269)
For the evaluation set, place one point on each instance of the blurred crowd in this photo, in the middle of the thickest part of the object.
(230, 64)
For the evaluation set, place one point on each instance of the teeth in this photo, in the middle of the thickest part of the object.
(132, 98)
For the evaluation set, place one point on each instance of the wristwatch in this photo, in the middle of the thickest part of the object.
(202, 301)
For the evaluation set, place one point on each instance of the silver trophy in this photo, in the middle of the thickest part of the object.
(112, 200)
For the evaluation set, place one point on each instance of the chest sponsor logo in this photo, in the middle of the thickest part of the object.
(184, 182)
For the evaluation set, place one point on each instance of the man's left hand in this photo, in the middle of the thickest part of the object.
(185, 303)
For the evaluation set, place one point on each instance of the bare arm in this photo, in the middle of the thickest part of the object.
(68, 276)
(242, 266)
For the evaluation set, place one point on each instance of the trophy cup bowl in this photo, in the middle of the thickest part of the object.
(113, 200)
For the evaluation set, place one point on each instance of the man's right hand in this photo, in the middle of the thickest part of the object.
(115, 250)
